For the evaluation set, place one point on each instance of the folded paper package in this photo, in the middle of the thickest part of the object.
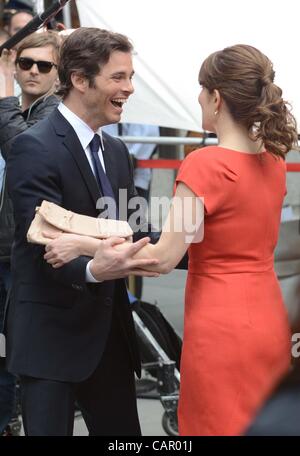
(51, 218)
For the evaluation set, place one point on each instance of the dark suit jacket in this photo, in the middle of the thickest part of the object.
(57, 325)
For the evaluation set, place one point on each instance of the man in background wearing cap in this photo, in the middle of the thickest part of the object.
(18, 20)
(11, 8)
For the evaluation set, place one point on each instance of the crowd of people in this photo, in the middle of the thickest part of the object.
(69, 330)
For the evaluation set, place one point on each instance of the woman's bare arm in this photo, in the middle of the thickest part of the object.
(184, 225)
(66, 247)
(108, 262)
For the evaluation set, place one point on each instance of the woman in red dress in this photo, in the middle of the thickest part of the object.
(236, 344)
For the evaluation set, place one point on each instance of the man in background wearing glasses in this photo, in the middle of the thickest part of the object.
(35, 68)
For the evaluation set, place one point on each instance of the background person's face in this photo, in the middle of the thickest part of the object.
(18, 22)
(112, 88)
(3, 38)
(33, 83)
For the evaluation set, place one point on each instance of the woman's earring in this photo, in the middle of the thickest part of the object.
(216, 113)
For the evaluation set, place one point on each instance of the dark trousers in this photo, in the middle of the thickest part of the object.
(7, 396)
(107, 399)
(138, 281)
(7, 380)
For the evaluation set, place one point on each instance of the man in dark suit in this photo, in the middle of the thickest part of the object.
(68, 337)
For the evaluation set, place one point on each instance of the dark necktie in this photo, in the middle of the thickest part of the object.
(101, 177)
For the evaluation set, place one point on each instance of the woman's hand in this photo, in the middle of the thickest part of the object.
(63, 248)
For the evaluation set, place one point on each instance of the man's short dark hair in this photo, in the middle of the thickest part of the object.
(85, 52)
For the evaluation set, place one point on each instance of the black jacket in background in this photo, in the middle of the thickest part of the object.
(13, 122)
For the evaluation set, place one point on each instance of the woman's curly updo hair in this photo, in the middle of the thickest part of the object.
(244, 76)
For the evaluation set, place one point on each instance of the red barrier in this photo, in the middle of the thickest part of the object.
(161, 164)
(175, 164)
(293, 167)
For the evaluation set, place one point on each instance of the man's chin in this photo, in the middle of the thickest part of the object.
(34, 93)
(116, 118)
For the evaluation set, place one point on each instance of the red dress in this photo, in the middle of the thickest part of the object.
(236, 333)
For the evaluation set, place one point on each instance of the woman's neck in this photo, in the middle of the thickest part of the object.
(236, 137)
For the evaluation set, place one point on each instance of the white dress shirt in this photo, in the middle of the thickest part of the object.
(85, 135)
(84, 132)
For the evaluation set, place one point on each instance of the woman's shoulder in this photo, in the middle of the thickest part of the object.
(211, 159)
(212, 155)
(203, 153)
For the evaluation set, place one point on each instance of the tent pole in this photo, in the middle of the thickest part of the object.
(39, 6)
(67, 16)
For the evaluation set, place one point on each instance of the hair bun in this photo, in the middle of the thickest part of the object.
(267, 78)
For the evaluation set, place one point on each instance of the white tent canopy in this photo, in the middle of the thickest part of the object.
(173, 37)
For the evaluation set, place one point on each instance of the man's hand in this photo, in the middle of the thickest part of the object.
(110, 263)
(7, 72)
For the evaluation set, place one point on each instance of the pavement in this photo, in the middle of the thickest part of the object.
(150, 414)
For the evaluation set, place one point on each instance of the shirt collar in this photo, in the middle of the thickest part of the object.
(84, 132)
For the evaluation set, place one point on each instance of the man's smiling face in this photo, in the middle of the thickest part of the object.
(111, 89)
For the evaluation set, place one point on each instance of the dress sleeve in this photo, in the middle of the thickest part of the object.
(208, 176)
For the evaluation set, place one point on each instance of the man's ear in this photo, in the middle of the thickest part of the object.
(55, 85)
(79, 82)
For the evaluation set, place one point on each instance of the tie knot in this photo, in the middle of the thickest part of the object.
(95, 144)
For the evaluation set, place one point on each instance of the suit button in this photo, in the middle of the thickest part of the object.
(77, 287)
(108, 302)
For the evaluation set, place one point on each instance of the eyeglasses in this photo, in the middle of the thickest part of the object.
(26, 63)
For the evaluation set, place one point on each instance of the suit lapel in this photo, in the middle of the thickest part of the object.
(72, 143)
